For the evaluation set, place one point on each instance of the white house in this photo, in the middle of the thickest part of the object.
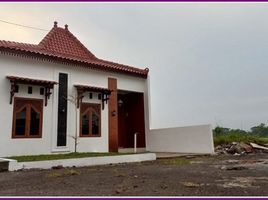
(57, 91)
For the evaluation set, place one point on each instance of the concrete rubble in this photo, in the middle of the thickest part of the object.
(240, 148)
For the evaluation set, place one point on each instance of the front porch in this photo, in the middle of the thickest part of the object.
(131, 123)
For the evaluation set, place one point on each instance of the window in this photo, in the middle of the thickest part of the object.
(30, 90)
(27, 118)
(16, 88)
(42, 91)
(90, 120)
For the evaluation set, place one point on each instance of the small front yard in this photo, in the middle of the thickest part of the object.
(221, 175)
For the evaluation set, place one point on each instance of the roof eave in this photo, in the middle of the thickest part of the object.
(35, 55)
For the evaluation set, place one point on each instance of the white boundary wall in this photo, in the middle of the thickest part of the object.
(189, 139)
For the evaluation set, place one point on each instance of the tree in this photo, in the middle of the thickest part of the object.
(72, 99)
(220, 130)
(260, 130)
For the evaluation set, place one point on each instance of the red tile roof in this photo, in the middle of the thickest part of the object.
(93, 89)
(24, 80)
(61, 45)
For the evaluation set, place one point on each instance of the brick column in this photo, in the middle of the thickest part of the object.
(113, 116)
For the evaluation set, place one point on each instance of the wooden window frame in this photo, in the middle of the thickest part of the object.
(28, 104)
(91, 108)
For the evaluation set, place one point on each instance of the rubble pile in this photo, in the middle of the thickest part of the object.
(240, 148)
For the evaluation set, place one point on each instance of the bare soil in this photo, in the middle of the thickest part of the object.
(185, 176)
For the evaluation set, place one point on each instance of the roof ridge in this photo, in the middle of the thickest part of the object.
(44, 43)
(46, 38)
(80, 43)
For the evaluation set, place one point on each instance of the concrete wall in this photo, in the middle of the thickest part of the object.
(37, 69)
(190, 139)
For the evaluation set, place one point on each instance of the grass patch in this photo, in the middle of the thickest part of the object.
(62, 156)
(236, 137)
(177, 161)
(67, 172)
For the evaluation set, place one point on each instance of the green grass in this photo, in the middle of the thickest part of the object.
(62, 156)
(177, 161)
(235, 137)
(66, 172)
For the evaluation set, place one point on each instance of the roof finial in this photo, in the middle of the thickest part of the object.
(55, 24)
(66, 26)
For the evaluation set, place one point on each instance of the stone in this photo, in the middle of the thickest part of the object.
(57, 167)
(236, 168)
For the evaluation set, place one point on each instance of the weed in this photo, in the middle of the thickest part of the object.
(177, 161)
(67, 172)
(238, 137)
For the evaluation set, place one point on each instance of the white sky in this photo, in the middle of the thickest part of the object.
(208, 61)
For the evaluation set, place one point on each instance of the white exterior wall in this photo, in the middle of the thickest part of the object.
(189, 139)
(36, 69)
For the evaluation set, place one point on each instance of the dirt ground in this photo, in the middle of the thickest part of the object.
(184, 176)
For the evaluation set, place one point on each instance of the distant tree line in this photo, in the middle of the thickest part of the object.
(260, 130)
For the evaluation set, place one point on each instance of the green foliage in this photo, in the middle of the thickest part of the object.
(257, 134)
(62, 156)
(220, 130)
(260, 130)
(232, 137)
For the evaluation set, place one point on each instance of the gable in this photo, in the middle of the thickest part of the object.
(62, 46)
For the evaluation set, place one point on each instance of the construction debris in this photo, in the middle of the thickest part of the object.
(258, 146)
(240, 148)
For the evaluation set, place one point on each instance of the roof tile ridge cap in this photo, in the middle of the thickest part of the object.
(80, 43)
(47, 37)
(115, 63)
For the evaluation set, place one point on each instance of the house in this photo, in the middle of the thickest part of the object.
(57, 93)
(58, 97)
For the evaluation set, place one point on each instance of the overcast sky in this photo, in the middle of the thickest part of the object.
(208, 62)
